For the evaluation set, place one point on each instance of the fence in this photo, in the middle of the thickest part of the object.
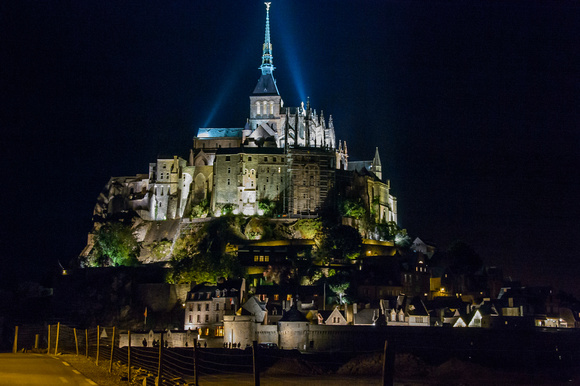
(191, 365)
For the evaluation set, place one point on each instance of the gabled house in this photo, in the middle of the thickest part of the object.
(206, 306)
(336, 318)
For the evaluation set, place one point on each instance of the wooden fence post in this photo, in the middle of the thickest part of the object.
(160, 368)
(87, 342)
(48, 348)
(76, 341)
(36, 340)
(15, 346)
(388, 364)
(255, 359)
(195, 373)
(112, 350)
(98, 342)
(57, 334)
(129, 357)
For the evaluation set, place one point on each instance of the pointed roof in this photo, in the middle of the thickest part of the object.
(377, 159)
(266, 85)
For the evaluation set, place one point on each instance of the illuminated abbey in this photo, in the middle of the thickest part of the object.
(287, 157)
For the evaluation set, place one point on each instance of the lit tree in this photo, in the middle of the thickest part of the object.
(115, 245)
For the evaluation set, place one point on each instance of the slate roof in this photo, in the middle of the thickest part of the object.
(266, 85)
(293, 315)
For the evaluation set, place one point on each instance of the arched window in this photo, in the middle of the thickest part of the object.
(271, 108)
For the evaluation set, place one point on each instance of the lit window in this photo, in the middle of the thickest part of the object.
(256, 258)
(276, 297)
(266, 258)
(288, 297)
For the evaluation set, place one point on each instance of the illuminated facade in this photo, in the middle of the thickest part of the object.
(285, 155)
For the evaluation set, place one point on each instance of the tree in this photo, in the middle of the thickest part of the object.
(340, 291)
(339, 242)
(115, 245)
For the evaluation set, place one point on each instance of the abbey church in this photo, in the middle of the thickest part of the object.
(285, 156)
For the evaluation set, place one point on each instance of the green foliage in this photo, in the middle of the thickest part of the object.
(114, 245)
(340, 242)
(258, 229)
(352, 208)
(200, 255)
(160, 249)
(268, 207)
(200, 210)
(227, 210)
(340, 285)
(340, 291)
(308, 228)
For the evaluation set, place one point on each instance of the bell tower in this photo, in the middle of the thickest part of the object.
(265, 101)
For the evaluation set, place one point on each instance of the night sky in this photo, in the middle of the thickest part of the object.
(474, 106)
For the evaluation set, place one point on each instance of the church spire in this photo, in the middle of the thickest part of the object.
(267, 66)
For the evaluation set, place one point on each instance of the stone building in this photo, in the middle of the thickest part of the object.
(284, 156)
(206, 307)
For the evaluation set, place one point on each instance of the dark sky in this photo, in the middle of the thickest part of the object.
(474, 106)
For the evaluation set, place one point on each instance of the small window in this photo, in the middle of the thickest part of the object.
(227, 157)
(266, 258)
(276, 297)
(190, 318)
(217, 306)
(199, 307)
(274, 159)
(229, 170)
(265, 159)
(207, 306)
(228, 181)
(249, 158)
(198, 318)
(207, 318)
